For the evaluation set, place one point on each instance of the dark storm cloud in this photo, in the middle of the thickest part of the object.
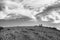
(2, 5)
(25, 20)
(16, 22)
(46, 12)
(48, 9)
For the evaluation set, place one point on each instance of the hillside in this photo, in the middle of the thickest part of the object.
(29, 33)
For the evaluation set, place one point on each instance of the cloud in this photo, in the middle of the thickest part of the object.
(16, 11)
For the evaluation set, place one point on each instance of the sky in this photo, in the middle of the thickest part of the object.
(26, 20)
(17, 22)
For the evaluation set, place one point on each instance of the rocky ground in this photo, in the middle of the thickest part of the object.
(29, 33)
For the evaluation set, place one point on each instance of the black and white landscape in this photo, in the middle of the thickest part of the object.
(30, 20)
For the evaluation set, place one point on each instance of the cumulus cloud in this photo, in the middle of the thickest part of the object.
(17, 9)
